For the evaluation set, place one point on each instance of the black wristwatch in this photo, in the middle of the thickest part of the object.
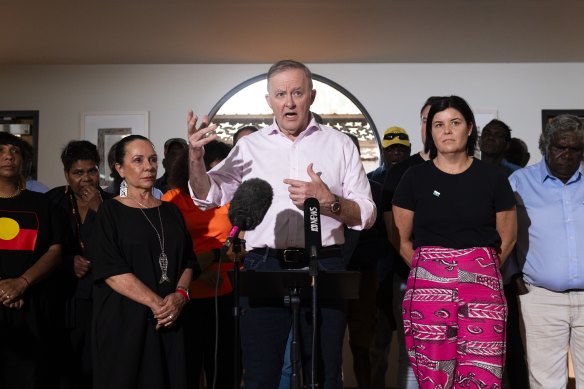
(336, 205)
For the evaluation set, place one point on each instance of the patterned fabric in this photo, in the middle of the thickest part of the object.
(454, 315)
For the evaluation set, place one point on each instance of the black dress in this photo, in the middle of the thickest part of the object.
(128, 352)
(75, 353)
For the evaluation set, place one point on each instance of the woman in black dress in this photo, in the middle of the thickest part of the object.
(142, 260)
(30, 250)
(78, 202)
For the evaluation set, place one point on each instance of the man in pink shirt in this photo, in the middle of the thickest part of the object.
(300, 159)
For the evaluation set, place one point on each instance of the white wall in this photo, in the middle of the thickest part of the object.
(391, 93)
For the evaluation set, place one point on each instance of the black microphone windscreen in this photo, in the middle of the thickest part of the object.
(250, 203)
(312, 234)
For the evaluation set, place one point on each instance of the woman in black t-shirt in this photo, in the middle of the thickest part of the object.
(456, 220)
(30, 251)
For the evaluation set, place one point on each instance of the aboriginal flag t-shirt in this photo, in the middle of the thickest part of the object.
(28, 227)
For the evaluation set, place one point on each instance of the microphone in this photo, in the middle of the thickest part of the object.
(312, 234)
(248, 207)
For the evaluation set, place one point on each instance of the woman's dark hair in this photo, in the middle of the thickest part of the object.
(428, 103)
(178, 173)
(119, 154)
(79, 150)
(431, 100)
(459, 104)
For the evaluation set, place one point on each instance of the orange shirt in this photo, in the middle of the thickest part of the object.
(209, 230)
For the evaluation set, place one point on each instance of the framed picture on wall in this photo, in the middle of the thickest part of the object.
(549, 114)
(484, 116)
(104, 129)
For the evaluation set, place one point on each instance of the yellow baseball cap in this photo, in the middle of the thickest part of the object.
(395, 136)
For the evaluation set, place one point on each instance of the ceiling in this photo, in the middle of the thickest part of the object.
(312, 31)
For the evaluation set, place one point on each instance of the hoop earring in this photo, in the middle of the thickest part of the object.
(124, 188)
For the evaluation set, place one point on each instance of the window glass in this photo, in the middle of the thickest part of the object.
(246, 105)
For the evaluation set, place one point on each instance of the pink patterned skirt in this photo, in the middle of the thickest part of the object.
(454, 315)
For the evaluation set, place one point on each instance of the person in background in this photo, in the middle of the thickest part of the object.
(550, 253)
(142, 262)
(28, 170)
(517, 152)
(362, 251)
(215, 152)
(456, 220)
(243, 131)
(398, 277)
(78, 202)
(396, 147)
(30, 250)
(173, 147)
(210, 311)
(288, 155)
(494, 142)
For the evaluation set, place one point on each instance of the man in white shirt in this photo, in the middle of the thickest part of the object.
(300, 159)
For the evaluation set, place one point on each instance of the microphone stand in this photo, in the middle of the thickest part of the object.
(293, 301)
(313, 272)
(236, 312)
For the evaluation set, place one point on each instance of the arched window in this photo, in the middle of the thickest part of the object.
(246, 105)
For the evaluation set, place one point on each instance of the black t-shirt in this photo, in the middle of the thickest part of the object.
(30, 226)
(455, 210)
(76, 237)
(395, 174)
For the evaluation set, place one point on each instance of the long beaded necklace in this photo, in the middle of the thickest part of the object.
(162, 258)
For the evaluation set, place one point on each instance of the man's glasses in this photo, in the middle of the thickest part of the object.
(393, 135)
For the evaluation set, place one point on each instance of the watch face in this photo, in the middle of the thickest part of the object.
(335, 207)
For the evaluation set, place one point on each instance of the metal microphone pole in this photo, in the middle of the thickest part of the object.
(236, 312)
(313, 272)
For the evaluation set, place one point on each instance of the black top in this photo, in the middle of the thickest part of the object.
(77, 236)
(29, 225)
(392, 179)
(362, 249)
(455, 210)
(395, 174)
(128, 352)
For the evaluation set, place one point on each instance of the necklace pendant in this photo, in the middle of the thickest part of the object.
(163, 262)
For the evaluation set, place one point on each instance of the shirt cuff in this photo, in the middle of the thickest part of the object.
(207, 203)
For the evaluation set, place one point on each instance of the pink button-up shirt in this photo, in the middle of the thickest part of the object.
(271, 156)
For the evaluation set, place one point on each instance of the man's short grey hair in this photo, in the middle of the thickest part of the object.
(286, 64)
(560, 124)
